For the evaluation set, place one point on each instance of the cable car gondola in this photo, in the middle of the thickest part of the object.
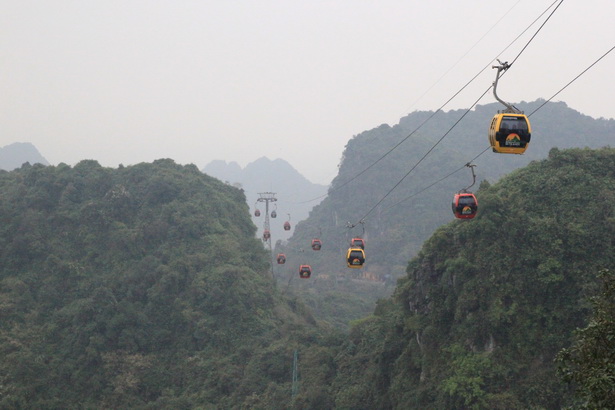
(465, 205)
(357, 243)
(274, 214)
(257, 213)
(510, 133)
(281, 259)
(355, 258)
(510, 130)
(287, 226)
(316, 244)
(305, 271)
(266, 235)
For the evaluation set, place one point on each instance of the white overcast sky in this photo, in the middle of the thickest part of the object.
(127, 81)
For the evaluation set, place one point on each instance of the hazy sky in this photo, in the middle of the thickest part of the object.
(127, 81)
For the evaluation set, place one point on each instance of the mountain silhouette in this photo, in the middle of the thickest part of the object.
(15, 155)
(277, 176)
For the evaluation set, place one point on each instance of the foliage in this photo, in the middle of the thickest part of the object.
(146, 287)
(590, 362)
(488, 303)
(142, 286)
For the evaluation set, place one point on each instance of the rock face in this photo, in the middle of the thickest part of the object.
(15, 155)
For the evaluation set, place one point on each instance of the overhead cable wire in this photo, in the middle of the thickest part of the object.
(486, 149)
(537, 31)
(439, 180)
(437, 110)
(462, 57)
(424, 156)
(572, 81)
(455, 124)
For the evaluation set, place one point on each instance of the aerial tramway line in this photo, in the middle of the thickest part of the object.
(509, 133)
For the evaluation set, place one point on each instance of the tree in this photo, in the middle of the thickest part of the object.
(589, 364)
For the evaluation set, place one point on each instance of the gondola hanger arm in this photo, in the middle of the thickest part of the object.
(471, 166)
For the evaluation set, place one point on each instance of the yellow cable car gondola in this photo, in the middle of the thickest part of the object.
(355, 258)
(510, 133)
(510, 130)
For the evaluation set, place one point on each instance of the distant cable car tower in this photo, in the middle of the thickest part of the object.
(266, 197)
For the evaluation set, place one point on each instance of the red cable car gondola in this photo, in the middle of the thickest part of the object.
(266, 235)
(305, 271)
(357, 243)
(316, 244)
(287, 226)
(465, 205)
(281, 259)
(257, 213)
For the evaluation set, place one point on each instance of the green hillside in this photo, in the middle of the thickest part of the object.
(487, 304)
(138, 286)
(146, 287)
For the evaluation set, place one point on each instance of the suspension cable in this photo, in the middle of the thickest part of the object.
(486, 149)
(442, 106)
(424, 156)
(536, 33)
(464, 55)
(439, 180)
(572, 81)
(457, 122)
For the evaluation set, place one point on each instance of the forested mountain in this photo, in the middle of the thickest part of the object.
(137, 286)
(488, 303)
(278, 176)
(396, 228)
(146, 287)
(14, 155)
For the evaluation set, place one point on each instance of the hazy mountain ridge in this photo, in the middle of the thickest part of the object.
(278, 176)
(15, 155)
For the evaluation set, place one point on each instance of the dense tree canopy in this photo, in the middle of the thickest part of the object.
(146, 287)
(488, 303)
(589, 364)
(143, 284)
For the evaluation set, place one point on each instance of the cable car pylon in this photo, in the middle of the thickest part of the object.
(266, 197)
